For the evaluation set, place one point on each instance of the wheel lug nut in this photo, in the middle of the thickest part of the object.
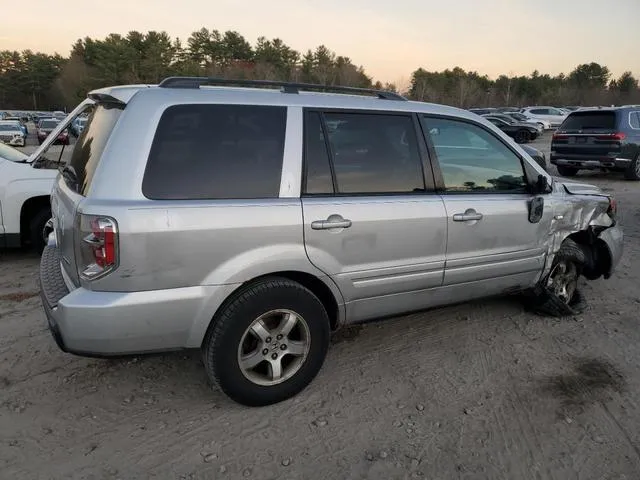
(265, 351)
(274, 356)
(279, 337)
(283, 347)
(268, 340)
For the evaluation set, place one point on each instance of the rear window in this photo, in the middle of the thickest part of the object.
(590, 121)
(90, 145)
(49, 124)
(216, 152)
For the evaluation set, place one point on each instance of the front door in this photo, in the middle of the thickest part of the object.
(370, 221)
(491, 245)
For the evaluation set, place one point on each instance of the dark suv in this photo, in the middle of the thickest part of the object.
(602, 138)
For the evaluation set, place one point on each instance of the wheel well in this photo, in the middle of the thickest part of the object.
(596, 252)
(317, 287)
(27, 212)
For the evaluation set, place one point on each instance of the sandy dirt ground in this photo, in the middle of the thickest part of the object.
(476, 391)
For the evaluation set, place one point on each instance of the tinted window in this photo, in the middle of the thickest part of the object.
(9, 127)
(539, 111)
(590, 121)
(634, 120)
(473, 160)
(90, 145)
(374, 153)
(496, 121)
(216, 152)
(318, 178)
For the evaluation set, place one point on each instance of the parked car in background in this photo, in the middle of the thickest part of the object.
(521, 132)
(46, 126)
(509, 119)
(21, 122)
(551, 114)
(598, 138)
(507, 109)
(482, 111)
(11, 133)
(59, 114)
(25, 189)
(401, 206)
(77, 126)
(571, 108)
(520, 117)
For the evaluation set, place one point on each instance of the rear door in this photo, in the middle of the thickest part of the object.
(490, 241)
(371, 219)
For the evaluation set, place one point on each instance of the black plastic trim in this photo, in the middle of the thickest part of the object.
(286, 87)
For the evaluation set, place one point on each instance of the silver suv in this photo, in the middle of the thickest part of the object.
(252, 222)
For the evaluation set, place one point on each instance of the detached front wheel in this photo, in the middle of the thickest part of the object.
(267, 343)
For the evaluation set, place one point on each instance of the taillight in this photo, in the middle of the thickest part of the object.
(557, 136)
(612, 136)
(97, 246)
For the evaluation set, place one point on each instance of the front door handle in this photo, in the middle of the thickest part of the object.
(467, 216)
(334, 221)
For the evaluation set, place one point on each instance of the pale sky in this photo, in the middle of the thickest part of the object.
(390, 39)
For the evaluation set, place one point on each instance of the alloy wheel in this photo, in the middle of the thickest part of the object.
(274, 347)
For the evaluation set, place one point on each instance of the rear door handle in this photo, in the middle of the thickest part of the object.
(334, 221)
(467, 216)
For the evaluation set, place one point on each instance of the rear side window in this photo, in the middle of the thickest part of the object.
(634, 120)
(590, 121)
(374, 153)
(90, 145)
(216, 152)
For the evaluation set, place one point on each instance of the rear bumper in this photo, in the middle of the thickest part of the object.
(613, 239)
(589, 162)
(101, 324)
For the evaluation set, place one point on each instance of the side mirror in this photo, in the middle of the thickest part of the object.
(541, 185)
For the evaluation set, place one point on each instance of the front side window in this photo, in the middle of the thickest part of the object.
(472, 160)
(374, 153)
(216, 152)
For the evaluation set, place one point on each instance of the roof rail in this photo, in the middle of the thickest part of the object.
(286, 87)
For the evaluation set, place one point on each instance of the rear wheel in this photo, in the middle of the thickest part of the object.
(267, 343)
(567, 171)
(633, 171)
(522, 136)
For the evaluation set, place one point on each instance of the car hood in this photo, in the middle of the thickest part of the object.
(578, 188)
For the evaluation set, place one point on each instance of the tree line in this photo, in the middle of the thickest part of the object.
(38, 81)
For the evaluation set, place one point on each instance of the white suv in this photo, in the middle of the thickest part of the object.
(25, 188)
(552, 115)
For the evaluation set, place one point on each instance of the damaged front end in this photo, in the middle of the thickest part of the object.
(584, 240)
(587, 215)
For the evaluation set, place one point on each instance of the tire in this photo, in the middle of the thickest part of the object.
(546, 300)
(522, 136)
(567, 171)
(36, 228)
(633, 171)
(230, 333)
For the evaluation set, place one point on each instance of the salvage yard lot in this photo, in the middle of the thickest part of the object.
(475, 391)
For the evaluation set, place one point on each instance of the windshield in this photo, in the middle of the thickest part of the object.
(9, 127)
(12, 154)
(48, 124)
(518, 116)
